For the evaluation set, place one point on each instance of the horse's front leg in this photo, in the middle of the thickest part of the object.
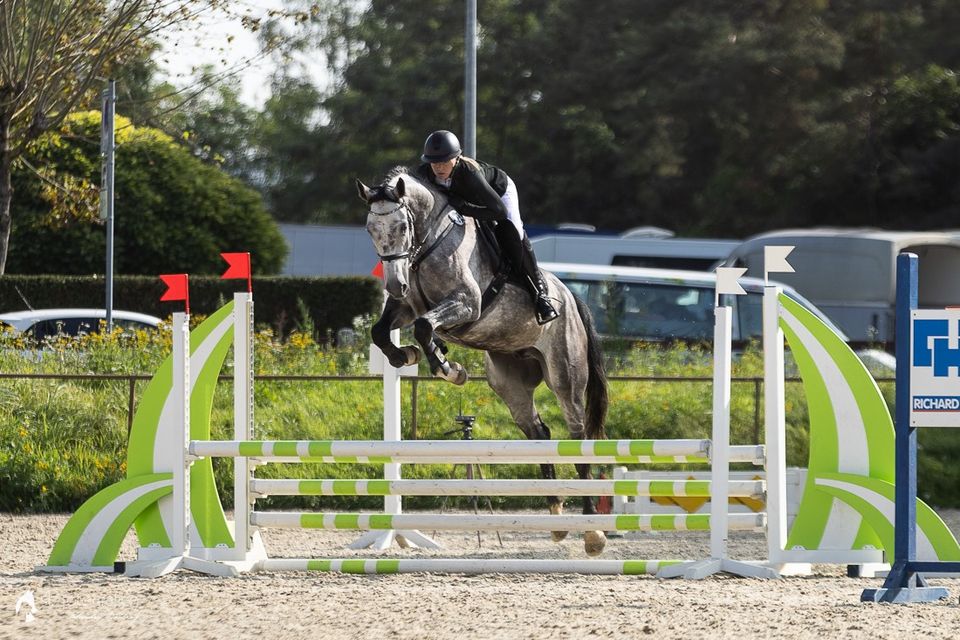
(395, 315)
(451, 312)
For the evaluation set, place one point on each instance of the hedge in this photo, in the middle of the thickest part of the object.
(332, 303)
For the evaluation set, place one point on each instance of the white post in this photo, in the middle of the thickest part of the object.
(180, 455)
(242, 418)
(391, 425)
(381, 540)
(180, 536)
(774, 399)
(720, 449)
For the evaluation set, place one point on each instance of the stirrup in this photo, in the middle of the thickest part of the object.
(544, 311)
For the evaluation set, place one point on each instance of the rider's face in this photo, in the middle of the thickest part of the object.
(443, 169)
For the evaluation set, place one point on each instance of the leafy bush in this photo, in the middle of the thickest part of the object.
(173, 213)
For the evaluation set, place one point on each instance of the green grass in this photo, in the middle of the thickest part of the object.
(62, 440)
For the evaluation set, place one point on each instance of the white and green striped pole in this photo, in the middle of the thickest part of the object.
(483, 451)
(467, 566)
(499, 522)
(488, 487)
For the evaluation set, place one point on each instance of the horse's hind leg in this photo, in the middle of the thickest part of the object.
(514, 379)
(568, 384)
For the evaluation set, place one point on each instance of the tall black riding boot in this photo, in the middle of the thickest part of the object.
(541, 302)
(520, 254)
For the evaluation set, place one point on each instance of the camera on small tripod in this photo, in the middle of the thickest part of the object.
(466, 427)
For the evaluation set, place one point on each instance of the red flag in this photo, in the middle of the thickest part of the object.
(378, 271)
(178, 288)
(238, 268)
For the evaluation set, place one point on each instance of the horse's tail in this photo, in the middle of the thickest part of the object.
(597, 400)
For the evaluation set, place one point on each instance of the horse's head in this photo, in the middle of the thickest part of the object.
(392, 224)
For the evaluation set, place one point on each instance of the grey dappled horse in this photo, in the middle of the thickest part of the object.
(436, 269)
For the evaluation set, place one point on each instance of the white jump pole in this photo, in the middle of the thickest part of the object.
(179, 554)
(720, 518)
(774, 408)
(248, 545)
(392, 504)
(180, 539)
(242, 418)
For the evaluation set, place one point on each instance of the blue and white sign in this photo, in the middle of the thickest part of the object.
(935, 368)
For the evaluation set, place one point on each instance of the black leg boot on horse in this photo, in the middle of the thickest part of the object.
(521, 257)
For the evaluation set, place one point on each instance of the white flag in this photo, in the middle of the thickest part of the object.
(775, 259)
(727, 281)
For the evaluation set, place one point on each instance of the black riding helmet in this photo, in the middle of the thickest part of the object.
(440, 147)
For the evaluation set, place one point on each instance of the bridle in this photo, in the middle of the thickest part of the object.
(415, 252)
(401, 206)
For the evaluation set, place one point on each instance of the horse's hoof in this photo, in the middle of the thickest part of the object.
(594, 542)
(454, 374)
(411, 354)
(557, 509)
(459, 374)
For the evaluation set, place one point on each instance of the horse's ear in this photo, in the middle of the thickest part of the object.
(364, 191)
(400, 188)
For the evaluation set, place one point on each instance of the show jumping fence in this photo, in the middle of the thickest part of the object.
(176, 510)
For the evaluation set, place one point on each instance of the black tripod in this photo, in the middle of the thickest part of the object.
(465, 429)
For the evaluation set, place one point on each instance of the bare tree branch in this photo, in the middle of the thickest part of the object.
(53, 53)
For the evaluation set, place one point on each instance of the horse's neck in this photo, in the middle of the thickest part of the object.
(427, 223)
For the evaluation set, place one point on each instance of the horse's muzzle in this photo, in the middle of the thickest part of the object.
(395, 278)
(398, 292)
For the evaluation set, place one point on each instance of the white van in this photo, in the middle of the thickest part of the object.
(850, 274)
(643, 247)
(665, 305)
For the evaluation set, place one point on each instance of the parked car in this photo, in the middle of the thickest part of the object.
(39, 324)
(668, 305)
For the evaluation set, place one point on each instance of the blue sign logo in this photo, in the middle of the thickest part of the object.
(931, 348)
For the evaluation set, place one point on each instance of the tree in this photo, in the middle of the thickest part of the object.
(53, 54)
(173, 211)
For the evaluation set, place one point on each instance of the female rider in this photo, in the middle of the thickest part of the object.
(485, 192)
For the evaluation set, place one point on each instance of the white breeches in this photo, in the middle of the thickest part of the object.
(512, 201)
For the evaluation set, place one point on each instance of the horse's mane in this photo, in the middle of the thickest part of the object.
(420, 200)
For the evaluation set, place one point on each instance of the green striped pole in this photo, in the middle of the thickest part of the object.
(659, 488)
(437, 450)
(468, 566)
(497, 522)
